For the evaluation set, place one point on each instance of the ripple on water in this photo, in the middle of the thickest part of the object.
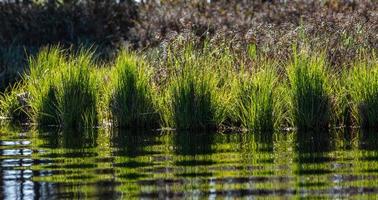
(183, 165)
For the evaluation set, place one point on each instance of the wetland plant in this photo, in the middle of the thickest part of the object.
(362, 85)
(256, 100)
(132, 101)
(310, 92)
(78, 103)
(43, 84)
(192, 100)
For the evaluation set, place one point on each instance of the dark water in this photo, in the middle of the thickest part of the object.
(126, 165)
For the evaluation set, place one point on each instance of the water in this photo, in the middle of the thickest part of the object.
(126, 165)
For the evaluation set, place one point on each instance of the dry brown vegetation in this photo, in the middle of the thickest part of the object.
(341, 28)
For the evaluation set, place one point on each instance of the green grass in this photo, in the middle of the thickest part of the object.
(362, 85)
(193, 101)
(189, 89)
(44, 83)
(310, 92)
(132, 101)
(78, 102)
(11, 108)
(256, 100)
(63, 89)
(195, 93)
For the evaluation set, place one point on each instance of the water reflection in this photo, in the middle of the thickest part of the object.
(120, 164)
(187, 143)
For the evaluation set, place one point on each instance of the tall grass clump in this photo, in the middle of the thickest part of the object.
(63, 89)
(194, 94)
(310, 91)
(193, 101)
(132, 101)
(78, 103)
(256, 100)
(362, 85)
(43, 83)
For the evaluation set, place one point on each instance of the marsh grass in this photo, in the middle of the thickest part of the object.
(191, 89)
(63, 88)
(194, 95)
(43, 83)
(310, 91)
(11, 108)
(132, 102)
(78, 104)
(193, 103)
(256, 99)
(362, 85)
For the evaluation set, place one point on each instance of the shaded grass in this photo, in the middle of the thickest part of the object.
(362, 86)
(310, 91)
(79, 93)
(132, 103)
(195, 95)
(193, 101)
(256, 99)
(11, 105)
(63, 89)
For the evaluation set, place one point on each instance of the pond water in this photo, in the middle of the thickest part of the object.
(150, 165)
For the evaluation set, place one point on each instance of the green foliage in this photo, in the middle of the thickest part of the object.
(79, 93)
(44, 83)
(193, 101)
(194, 97)
(132, 103)
(310, 91)
(256, 100)
(362, 85)
(63, 89)
(191, 89)
(12, 106)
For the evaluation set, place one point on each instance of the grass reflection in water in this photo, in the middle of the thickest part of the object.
(127, 164)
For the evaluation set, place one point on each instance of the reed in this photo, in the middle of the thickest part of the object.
(194, 89)
(63, 89)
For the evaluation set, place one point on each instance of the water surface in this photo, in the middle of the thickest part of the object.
(150, 165)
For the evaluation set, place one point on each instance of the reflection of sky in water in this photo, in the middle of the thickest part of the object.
(153, 165)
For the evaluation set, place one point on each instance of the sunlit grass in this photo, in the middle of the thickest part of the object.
(131, 101)
(310, 91)
(11, 105)
(79, 93)
(195, 95)
(256, 99)
(62, 89)
(362, 86)
(190, 89)
(43, 83)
